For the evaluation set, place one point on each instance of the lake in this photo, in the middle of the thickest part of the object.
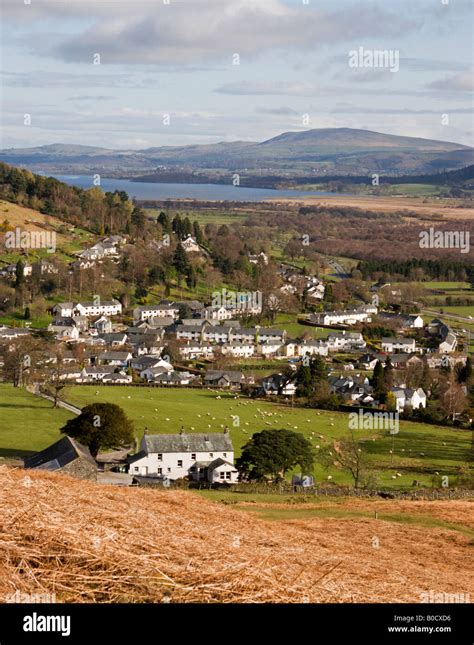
(202, 192)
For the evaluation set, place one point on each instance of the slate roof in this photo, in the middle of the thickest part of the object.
(231, 375)
(220, 462)
(212, 442)
(58, 455)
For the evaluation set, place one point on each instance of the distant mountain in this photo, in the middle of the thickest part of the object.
(342, 151)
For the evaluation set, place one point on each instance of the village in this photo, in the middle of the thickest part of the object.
(208, 344)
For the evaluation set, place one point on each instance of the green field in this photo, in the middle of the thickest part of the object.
(466, 312)
(167, 410)
(27, 423)
(204, 217)
(304, 507)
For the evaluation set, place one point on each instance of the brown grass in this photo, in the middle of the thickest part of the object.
(92, 543)
(433, 208)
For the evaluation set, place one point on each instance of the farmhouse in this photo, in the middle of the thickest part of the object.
(201, 457)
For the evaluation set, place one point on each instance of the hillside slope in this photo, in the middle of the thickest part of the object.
(86, 542)
(332, 150)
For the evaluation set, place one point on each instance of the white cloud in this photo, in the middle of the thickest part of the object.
(462, 82)
(190, 32)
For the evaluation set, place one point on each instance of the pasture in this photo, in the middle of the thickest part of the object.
(420, 450)
(28, 423)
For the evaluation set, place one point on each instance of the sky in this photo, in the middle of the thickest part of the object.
(143, 73)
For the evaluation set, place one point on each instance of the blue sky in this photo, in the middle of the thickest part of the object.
(177, 58)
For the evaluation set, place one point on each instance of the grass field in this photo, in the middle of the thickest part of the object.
(303, 507)
(30, 424)
(205, 217)
(27, 423)
(167, 410)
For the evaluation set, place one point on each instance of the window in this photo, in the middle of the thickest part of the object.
(160, 457)
(192, 469)
(193, 455)
(225, 454)
(160, 471)
(211, 454)
(136, 469)
(227, 475)
(222, 475)
(180, 463)
(168, 469)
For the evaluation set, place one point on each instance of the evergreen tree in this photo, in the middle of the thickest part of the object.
(164, 220)
(19, 273)
(378, 381)
(198, 234)
(180, 261)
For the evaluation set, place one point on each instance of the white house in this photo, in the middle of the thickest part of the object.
(409, 397)
(159, 311)
(63, 310)
(201, 457)
(312, 348)
(190, 245)
(102, 307)
(269, 347)
(448, 344)
(217, 313)
(347, 317)
(216, 334)
(259, 257)
(195, 349)
(391, 345)
(94, 373)
(238, 350)
(64, 332)
(346, 341)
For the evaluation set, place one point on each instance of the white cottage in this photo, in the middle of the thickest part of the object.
(201, 457)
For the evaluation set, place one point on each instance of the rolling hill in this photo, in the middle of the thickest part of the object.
(329, 150)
